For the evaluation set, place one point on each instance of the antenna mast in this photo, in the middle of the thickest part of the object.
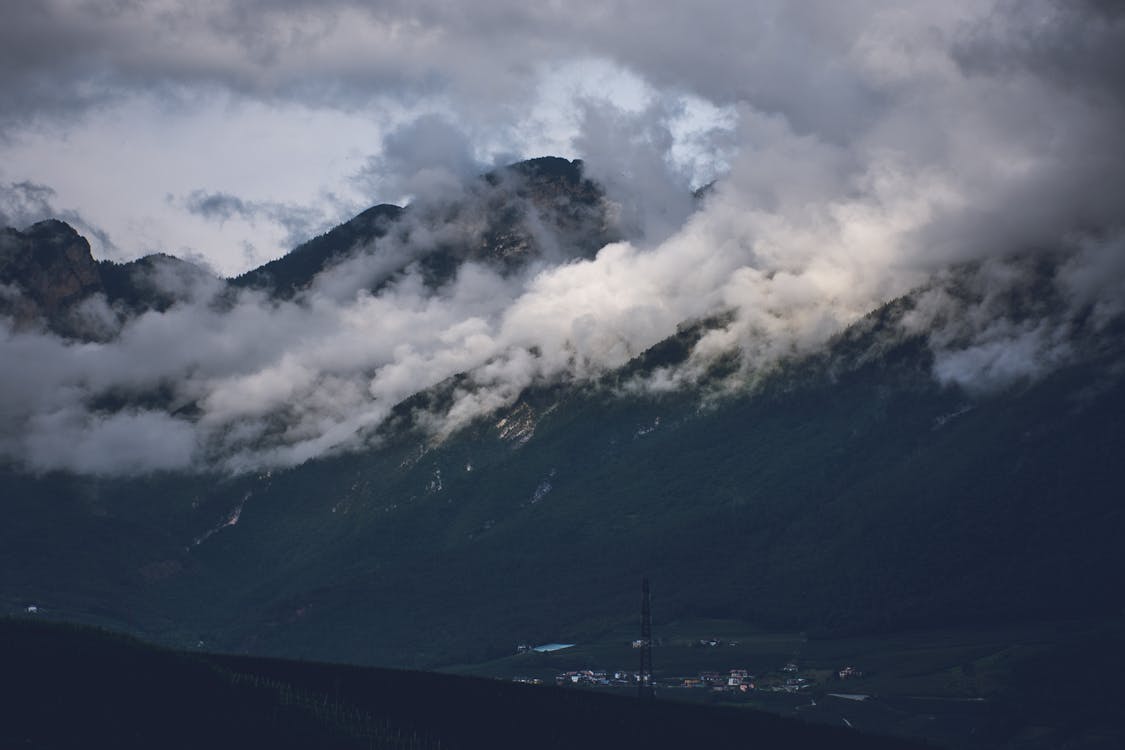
(645, 689)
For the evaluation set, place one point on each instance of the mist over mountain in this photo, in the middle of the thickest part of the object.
(523, 277)
(472, 379)
(902, 475)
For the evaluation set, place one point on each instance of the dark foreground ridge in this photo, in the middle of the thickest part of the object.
(73, 686)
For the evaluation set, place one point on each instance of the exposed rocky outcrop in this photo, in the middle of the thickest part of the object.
(46, 271)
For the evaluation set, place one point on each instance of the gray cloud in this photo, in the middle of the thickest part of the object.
(428, 157)
(123, 443)
(792, 60)
(25, 202)
(1077, 44)
(805, 62)
(627, 150)
(221, 206)
(299, 222)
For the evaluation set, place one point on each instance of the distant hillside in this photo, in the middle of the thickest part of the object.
(77, 687)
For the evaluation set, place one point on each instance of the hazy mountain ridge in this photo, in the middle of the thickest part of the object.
(460, 256)
(540, 208)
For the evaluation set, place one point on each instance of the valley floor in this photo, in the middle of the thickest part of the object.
(1031, 685)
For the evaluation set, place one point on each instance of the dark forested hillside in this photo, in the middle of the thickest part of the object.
(76, 687)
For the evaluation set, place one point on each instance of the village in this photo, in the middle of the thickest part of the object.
(788, 678)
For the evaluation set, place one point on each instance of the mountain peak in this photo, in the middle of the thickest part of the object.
(541, 207)
(549, 167)
(49, 228)
(48, 268)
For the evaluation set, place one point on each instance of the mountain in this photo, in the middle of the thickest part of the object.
(847, 490)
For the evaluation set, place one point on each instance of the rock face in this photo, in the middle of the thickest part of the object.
(541, 202)
(540, 210)
(46, 270)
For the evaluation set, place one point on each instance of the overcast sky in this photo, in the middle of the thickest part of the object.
(118, 112)
(859, 146)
